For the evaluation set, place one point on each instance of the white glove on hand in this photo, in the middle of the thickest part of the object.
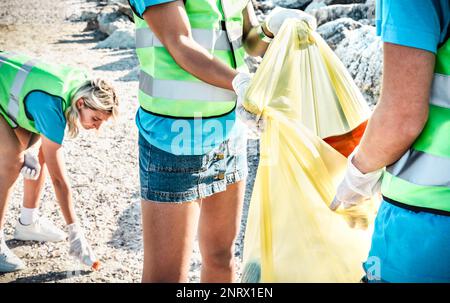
(254, 122)
(31, 168)
(79, 247)
(276, 18)
(356, 186)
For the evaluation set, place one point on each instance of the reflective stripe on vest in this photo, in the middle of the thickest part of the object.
(4, 57)
(13, 103)
(422, 169)
(440, 91)
(421, 177)
(208, 39)
(22, 74)
(179, 90)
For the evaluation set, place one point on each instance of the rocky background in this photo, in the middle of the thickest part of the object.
(98, 35)
(347, 25)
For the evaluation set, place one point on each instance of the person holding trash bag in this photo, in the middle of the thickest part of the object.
(192, 149)
(409, 134)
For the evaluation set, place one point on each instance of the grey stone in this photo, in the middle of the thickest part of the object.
(361, 52)
(355, 11)
(109, 22)
(301, 4)
(252, 63)
(262, 8)
(120, 39)
(337, 30)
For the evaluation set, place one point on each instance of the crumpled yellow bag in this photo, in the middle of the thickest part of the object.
(305, 95)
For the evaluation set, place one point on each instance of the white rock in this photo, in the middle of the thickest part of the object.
(252, 63)
(120, 39)
(361, 52)
(133, 75)
(108, 23)
(124, 2)
(336, 31)
(333, 12)
(292, 3)
(314, 6)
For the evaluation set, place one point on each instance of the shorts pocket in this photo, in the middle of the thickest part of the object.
(162, 161)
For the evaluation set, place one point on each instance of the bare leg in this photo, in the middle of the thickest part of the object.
(220, 219)
(32, 189)
(169, 230)
(26, 138)
(11, 161)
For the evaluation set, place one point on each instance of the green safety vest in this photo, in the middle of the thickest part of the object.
(20, 75)
(421, 178)
(165, 89)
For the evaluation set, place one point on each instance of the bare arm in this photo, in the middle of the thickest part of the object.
(254, 46)
(54, 159)
(176, 36)
(402, 110)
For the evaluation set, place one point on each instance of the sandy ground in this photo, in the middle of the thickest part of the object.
(102, 166)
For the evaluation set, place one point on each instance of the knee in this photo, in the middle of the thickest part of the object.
(219, 256)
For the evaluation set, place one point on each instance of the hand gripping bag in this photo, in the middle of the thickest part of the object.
(315, 116)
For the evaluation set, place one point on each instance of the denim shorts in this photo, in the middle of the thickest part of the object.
(166, 177)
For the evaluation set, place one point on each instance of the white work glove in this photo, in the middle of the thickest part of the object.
(276, 18)
(79, 247)
(356, 186)
(31, 167)
(254, 122)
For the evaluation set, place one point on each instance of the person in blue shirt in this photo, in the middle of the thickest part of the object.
(192, 171)
(92, 103)
(408, 133)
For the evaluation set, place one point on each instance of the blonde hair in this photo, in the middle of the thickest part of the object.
(97, 95)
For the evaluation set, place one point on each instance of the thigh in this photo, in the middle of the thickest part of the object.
(168, 230)
(220, 218)
(11, 160)
(10, 146)
(24, 136)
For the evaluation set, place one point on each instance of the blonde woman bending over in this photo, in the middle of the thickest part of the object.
(37, 101)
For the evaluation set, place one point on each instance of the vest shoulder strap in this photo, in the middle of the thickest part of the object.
(136, 13)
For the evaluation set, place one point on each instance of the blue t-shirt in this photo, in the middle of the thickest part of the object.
(420, 23)
(48, 115)
(184, 136)
(411, 246)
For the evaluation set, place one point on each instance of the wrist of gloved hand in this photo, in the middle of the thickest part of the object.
(254, 122)
(277, 16)
(240, 83)
(79, 247)
(356, 187)
(74, 228)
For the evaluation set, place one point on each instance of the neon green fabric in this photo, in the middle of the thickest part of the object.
(25, 74)
(443, 59)
(412, 180)
(207, 18)
(438, 126)
(416, 195)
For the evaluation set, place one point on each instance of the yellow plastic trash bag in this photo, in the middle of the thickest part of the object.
(305, 94)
